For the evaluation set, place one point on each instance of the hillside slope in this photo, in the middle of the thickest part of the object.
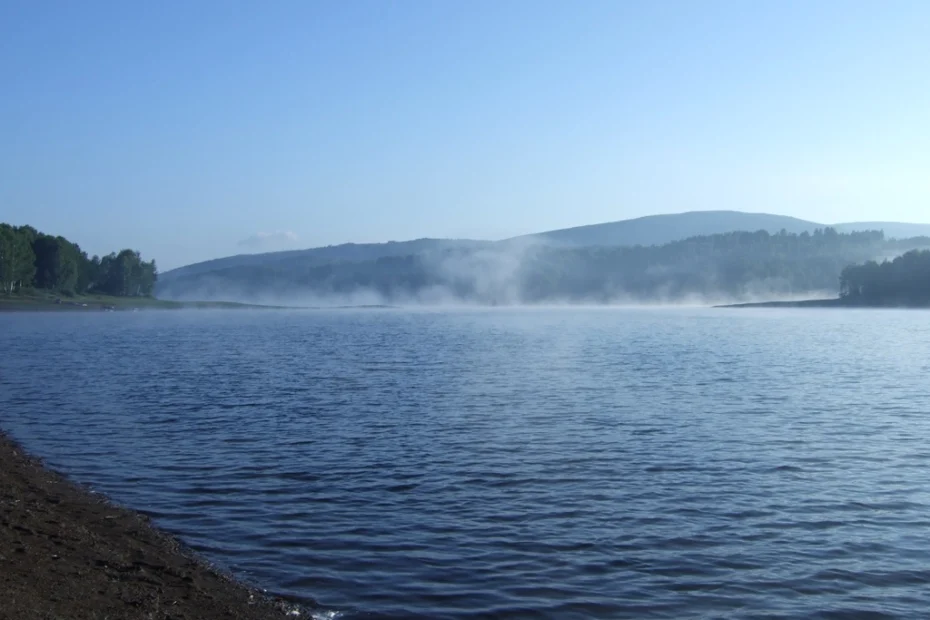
(729, 266)
(660, 229)
(232, 277)
(649, 230)
(346, 252)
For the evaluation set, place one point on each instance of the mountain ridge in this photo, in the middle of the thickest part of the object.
(667, 227)
(646, 230)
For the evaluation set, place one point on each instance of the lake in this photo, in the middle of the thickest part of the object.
(518, 463)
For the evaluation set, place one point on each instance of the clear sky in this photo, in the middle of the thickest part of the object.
(195, 129)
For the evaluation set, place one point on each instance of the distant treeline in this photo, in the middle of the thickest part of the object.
(31, 259)
(904, 281)
(739, 265)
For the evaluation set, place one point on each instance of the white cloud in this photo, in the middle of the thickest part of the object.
(269, 240)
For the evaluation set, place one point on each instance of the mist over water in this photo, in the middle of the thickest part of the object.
(712, 269)
(515, 273)
(519, 463)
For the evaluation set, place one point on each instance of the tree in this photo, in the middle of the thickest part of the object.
(126, 274)
(29, 258)
(902, 281)
(56, 263)
(16, 257)
(86, 270)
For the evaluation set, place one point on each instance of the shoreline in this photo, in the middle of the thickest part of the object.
(837, 302)
(136, 304)
(120, 304)
(807, 303)
(66, 552)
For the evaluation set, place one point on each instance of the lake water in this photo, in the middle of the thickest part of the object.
(560, 463)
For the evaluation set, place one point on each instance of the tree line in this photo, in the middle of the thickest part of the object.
(30, 259)
(904, 281)
(729, 266)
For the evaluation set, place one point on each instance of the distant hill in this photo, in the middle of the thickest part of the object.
(649, 230)
(654, 230)
(346, 252)
(660, 229)
(737, 266)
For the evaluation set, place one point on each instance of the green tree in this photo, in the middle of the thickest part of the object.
(29, 258)
(17, 260)
(56, 263)
(126, 274)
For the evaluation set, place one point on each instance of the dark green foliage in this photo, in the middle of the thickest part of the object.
(32, 259)
(56, 262)
(904, 281)
(17, 260)
(125, 274)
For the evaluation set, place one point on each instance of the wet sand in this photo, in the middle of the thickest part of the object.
(67, 553)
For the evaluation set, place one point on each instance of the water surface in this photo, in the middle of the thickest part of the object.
(532, 463)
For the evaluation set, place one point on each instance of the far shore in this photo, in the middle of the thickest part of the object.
(103, 303)
(98, 303)
(837, 302)
(806, 303)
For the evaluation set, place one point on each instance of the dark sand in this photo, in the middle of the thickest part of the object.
(69, 554)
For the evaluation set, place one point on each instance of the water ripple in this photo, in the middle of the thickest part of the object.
(543, 464)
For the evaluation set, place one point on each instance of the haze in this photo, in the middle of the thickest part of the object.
(198, 130)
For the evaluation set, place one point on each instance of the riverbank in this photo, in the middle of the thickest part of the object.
(40, 302)
(838, 302)
(807, 303)
(66, 552)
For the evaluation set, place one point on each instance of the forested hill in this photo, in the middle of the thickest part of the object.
(661, 229)
(30, 259)
(352, 252)
(730, 266)
(648, 230)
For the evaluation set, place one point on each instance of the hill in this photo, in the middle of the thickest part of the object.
(346, 252)
(649, 230)
(660, 229)
(496, 271)
(728, 266)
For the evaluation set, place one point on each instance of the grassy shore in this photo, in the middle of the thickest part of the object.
(40, 301)
(68, 553)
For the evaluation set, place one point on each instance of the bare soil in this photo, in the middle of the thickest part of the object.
(67, 553)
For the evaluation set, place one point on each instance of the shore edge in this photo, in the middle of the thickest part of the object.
(838, 302)
(807, 303)
(67, 552)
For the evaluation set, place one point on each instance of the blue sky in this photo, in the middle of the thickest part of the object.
(191, 130)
